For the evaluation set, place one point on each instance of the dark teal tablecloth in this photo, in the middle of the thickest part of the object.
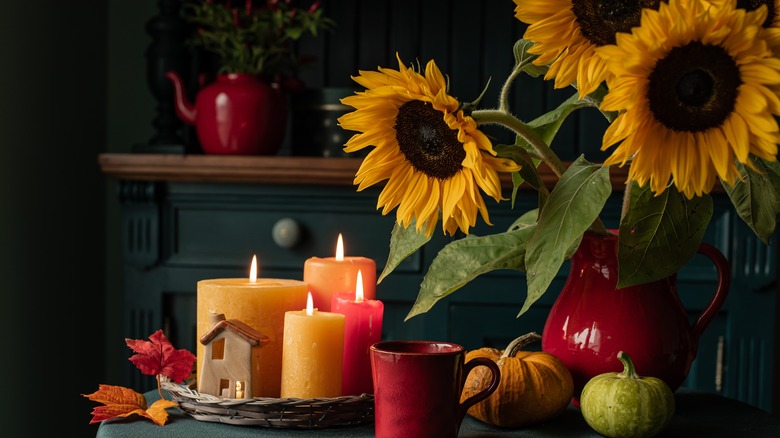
(697, 415)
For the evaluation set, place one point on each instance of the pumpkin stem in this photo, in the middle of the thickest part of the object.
(515, 346)
(629, 372)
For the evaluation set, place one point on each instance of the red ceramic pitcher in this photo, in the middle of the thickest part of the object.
(592, 320)
(237, 114)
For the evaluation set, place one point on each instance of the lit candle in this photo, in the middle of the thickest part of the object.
(261, 304)
(328, 275)
(362, 328)
(313, 353)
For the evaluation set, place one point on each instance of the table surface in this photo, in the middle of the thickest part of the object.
(696, 414)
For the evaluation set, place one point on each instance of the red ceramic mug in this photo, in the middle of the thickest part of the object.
(417, 388)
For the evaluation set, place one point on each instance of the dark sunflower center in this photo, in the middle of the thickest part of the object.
(427, 142)
(694, 87)
(599, 20)
(752, 5)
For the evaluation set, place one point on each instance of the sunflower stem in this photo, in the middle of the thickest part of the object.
(507, 120)
(503, 100)
(626, 198)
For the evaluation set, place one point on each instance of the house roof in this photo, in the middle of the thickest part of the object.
(252, 336)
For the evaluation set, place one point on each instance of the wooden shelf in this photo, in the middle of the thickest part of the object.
(230, 168)
(274, 169)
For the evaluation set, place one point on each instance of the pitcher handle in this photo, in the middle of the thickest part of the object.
(724, 283)
(485, 393)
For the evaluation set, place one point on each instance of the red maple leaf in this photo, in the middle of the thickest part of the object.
(158, 357)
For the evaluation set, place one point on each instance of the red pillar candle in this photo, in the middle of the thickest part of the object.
(328, 275)
(362, 328)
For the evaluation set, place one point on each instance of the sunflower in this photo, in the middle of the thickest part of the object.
(696, 87)
(566, 33)
(430, 152)
(772, 21)
(773, 10)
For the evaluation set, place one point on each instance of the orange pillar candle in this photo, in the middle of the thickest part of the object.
(328, 275)
(362, 328)
(261, 304)
(312, 356)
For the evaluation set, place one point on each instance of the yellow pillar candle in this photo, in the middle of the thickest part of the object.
(327, 276)
(313, 353)
(260, 303)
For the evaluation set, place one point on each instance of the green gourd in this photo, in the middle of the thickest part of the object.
(625, 405)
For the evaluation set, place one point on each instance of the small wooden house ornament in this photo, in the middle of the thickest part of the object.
(227, 358)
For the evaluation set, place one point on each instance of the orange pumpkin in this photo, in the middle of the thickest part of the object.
(535, 386)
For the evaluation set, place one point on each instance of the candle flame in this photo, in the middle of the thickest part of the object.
(340, 249)
(309, 305)
(359, 287)
(253, 270)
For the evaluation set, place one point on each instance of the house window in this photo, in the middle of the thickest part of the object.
(224, 387)
(218, 349)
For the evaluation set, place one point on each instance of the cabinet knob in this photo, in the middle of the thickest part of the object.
(286, 232)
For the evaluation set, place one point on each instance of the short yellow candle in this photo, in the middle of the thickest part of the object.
(313, 353)
(327, 276)
(261, 304)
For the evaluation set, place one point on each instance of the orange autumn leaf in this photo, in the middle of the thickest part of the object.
(119, 401)
(159, 357)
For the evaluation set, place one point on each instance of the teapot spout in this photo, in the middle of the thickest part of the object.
(184, 108)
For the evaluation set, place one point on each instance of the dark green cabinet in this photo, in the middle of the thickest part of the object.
(176, 233)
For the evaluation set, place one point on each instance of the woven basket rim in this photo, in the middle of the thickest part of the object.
(300, 413)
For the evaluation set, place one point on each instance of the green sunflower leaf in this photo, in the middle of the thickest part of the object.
(526, 220)
(524, 60)
(527, 173)
(517, 181)
(403, 243)
(463, 260)
(572, 207)
(757, 197)
(659, 234)
(548, 124)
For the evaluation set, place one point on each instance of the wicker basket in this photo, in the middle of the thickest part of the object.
(295, 413)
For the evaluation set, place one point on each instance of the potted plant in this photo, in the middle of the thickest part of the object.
(253, 48)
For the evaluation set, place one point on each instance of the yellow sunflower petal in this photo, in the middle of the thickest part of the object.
(454, 190)
(719, 152)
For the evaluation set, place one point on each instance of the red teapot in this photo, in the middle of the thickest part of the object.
(237, 114)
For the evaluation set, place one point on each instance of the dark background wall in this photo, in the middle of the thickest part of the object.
(52, 124)
(58, 257)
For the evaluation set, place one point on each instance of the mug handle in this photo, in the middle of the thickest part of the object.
(485, 393)
(724, 283)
